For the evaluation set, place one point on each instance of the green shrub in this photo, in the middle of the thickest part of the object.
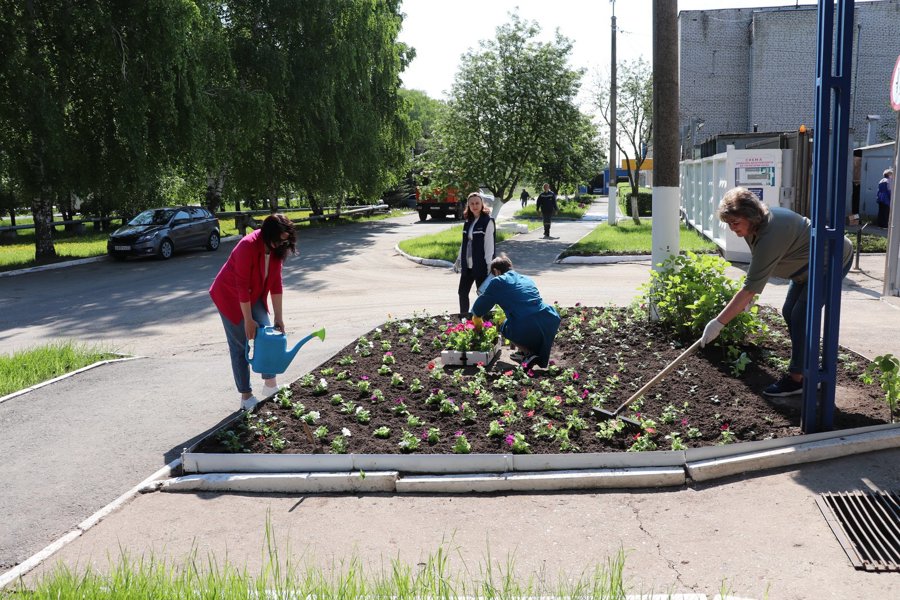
(690, 290)
(645, 201)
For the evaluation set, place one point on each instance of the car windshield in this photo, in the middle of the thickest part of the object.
(157, 216)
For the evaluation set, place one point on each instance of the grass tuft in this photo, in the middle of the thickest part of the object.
(29, 367)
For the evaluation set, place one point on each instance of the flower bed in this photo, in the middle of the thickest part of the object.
(388, 393)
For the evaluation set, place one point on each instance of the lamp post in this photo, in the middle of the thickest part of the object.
(613, 179)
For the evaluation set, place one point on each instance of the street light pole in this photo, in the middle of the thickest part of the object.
(613, 179)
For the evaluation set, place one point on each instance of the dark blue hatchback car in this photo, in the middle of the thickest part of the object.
(162, 231)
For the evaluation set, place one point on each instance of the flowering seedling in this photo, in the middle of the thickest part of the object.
(321, 388)
(382, 432)
(461, 445)
(408, 442)
(388, 358)
(495, 429)
(517, 443)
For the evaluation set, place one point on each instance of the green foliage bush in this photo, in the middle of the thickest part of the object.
(690, 290)
(645, 201)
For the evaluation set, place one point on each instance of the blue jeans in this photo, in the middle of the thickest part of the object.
(794, 312)
(237, 344)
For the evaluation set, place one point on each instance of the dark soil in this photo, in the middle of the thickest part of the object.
(602, 356)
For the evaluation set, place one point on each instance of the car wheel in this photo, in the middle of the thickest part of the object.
(166, 249)
(213, 242)
(423, 214)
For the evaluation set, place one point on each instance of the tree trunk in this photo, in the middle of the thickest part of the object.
(215, 183)
(42, 211)
(314, 205)
(635, 215)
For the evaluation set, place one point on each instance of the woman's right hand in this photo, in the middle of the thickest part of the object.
(250, 329)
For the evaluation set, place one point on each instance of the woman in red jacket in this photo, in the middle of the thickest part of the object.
(240, 290)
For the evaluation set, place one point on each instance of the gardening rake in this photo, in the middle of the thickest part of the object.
(631, 423)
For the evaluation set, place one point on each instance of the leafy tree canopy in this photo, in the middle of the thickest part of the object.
(509, 101)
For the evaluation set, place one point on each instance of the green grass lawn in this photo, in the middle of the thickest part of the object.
(71, 246)
(444, 245)
(628, 238)
(29, 367)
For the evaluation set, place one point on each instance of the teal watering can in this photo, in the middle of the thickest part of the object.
(270, 353)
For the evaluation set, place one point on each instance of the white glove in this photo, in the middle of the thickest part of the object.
(711, 332)
(457, 265)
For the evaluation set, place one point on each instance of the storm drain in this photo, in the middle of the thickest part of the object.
(867, 524)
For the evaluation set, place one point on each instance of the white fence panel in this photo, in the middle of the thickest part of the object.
(704, 181)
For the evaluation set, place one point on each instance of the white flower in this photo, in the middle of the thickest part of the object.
(345, 432)
(323, 383)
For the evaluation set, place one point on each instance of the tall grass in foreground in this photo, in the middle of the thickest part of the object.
(28, 367)
(628, 238)
(154, 579)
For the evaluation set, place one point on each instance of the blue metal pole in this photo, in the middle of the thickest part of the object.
(828, 206)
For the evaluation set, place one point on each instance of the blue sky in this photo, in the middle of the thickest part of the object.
(442, 31)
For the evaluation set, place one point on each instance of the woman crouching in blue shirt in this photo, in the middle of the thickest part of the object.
(530, 323)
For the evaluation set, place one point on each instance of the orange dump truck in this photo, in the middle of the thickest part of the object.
(440, 202)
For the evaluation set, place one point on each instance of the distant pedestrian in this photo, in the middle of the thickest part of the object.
(241, 290)
(477, 249)
(524, 197)
(884, 197)
(546, 204)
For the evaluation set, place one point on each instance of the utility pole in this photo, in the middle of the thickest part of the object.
(666, 186)
(613, 179)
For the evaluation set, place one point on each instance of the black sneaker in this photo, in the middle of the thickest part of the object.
(785, 387)
(530, 362)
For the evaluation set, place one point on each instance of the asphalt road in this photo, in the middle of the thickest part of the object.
(72, 447)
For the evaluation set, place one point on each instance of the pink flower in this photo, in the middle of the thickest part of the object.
(584, 393)
(552, 363)
(508, 373)
(510, 439)
(575, 375)
(430, 366)
(651, 430)
(388, 353)
(530, 413)
(480, 363)
(530, 373)
(725, 427)
(424, 434)
(364, 378)
(684, 422)
(458, 433)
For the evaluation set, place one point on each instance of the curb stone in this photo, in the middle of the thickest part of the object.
(30, 563)
(66, 376)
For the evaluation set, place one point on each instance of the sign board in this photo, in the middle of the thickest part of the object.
(754, 171)
(758, 191)
(895, 86)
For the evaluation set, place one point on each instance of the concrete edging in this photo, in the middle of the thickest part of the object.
(507, 472)
(36, 559)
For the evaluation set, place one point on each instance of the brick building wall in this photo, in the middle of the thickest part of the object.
(757, 66)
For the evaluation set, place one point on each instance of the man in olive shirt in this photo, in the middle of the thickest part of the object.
(779, 246)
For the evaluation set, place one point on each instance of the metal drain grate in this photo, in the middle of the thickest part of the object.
(867, 524)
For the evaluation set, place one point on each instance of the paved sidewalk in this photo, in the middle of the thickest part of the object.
(762, 534)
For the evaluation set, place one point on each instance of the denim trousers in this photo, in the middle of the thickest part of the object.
(794, 313)
(237, 344)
